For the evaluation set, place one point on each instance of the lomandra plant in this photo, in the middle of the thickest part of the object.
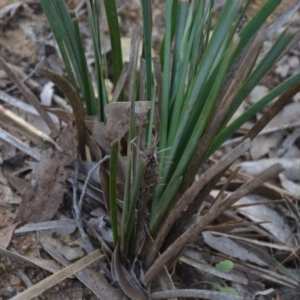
(165, 119)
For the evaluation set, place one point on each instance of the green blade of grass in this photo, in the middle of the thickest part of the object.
(94, 20)
(166, 82)
(65, 28)
(147, 44)
(199, 18)
(222, 28)
(180, 29)
(173, 28)
(50, 8)
(115, 38)
(85, 77)
(208, 25)
(158, 211)
(166, 200)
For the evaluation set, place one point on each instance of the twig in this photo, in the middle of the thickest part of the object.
(59, 276)
(89, 175)
(77, 206)
(17, 124)
(193, 293)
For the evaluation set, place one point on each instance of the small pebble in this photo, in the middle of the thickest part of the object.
(282, 70)
(2, 268)
(293, 62)
(8, 292)
(72, 254)
(14, 280)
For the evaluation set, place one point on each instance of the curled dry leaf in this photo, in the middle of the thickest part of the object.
(6, 235)
(44, 193)
(129, 286)
(118, 121)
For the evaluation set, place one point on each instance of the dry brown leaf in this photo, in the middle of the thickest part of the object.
(6, 235)
(44, 193)
(118, 120)
(127, 283)
(7, 195)
(19, 184)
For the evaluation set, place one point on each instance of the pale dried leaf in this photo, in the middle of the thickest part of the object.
(232, 248)
(6, 194)
(291, 166)
(205, 267)
(289, 185)
(276, 225)
(103, 228)
(262, 145)
(67, 224)
(47, 93)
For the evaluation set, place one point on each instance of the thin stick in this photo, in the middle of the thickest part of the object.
(59, 276)
(193, 293)
(77, 206)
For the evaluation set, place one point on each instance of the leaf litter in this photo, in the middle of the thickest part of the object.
(48, 187)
